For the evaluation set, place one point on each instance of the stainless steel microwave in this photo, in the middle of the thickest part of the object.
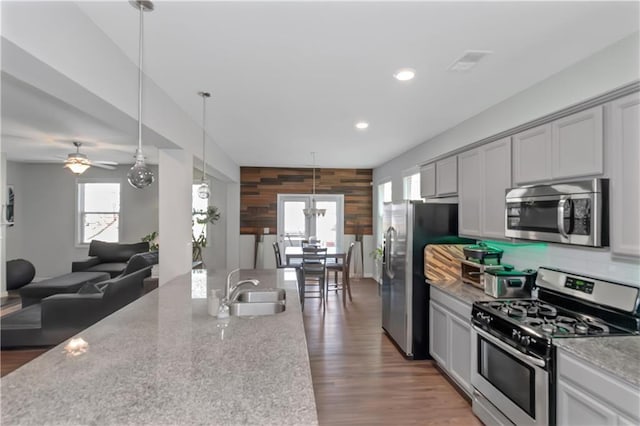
(569, 213)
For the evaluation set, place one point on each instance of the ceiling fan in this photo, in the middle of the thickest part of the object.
(78, 163)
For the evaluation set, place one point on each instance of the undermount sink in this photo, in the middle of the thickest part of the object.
(262, 295)
(248, 309)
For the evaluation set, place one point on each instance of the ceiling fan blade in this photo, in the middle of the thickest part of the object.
(108, 163)
(102, 166)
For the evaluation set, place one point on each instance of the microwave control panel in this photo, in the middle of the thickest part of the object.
(579, 285)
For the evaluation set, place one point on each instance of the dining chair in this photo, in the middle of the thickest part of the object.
(314, 272)
(344, 268)
(276, 251)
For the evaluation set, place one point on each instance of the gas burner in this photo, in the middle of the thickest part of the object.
(547, 311)
(581, 328)
(517, 311)
(548, 328)
(533, 322)
(566, 320)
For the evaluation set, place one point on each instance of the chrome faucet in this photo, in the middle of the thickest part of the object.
(231, 292)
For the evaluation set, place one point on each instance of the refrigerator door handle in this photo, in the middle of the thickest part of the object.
(391, 232)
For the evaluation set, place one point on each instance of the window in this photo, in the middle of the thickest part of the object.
(199, 205)
(98, 212)
(412, 187)
(386, 192)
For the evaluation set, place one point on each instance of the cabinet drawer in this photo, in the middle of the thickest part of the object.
(455, 305)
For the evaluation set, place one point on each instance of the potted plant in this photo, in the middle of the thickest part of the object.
(202, 217)
(377, 254)
(152, 239)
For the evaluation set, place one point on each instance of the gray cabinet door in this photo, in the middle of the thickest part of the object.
(532, 155)
(438, 333)
(460, 351)
(624, 146)
(577, 143)
(428, 180)
(496, 180)
(470, 192)
(447, 176)
(578, 408)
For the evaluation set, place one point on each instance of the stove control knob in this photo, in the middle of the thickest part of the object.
(515, 334)
(525, 340)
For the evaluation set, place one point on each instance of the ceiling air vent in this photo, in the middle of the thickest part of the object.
(468, 60)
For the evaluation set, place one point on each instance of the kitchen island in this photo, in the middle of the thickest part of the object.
(163, 360)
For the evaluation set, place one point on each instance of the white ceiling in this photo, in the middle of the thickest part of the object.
(289, 78)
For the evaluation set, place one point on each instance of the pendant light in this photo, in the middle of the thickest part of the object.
(313, 211)
(203, 189)
(140, 175)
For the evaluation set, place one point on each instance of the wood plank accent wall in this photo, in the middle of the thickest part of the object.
(259, 187)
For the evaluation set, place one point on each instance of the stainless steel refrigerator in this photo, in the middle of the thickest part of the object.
(409, 226)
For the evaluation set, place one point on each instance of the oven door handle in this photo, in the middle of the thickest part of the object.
(510, 349)
(562, 205)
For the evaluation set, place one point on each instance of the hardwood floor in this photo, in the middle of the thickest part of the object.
(359, 377)
(12, 359)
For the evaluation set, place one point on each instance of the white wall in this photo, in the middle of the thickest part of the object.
(613, 67)
(45, 214)
(215, 254)
(174, 196)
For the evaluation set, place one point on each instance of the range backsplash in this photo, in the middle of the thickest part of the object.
(599, 263)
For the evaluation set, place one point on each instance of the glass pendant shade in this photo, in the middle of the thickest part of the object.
(203, 190)
(140, 175)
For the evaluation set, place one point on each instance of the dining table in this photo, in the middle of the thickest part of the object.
(293, 253)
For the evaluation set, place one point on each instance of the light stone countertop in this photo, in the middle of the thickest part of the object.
(163, 360)
(460, 290)
(619, 356)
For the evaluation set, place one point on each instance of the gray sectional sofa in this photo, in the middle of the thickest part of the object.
(59, 316)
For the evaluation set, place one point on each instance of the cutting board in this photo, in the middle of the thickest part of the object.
(442, 262)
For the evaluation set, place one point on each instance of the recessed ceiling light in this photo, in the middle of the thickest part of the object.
(405, 74)
(361, 125)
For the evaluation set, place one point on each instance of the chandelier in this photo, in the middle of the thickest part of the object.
(313, 211)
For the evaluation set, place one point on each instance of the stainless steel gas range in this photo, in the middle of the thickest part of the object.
(512, 351)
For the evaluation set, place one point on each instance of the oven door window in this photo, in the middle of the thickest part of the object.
(515, 379)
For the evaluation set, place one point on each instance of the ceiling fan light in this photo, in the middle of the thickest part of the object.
(140, 175)
(76, 167)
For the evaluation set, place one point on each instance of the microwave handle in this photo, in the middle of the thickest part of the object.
(562, 205)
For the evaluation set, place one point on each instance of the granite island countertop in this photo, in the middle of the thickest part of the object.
(163, 360)
(618, 355)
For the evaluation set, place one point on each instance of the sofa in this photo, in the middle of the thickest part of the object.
(72, 282)
(60, 316)
(108, 257)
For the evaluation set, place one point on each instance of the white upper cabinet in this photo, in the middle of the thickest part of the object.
(439, 179)
(470, 193)
(623, 140)
(497, 179)
(570, 147)
(447, 176)
(577, 145)
(428, 180)
(532, 155)
(484, 176)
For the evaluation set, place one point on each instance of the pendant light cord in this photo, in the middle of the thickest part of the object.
(204, 109)
(140, 81)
